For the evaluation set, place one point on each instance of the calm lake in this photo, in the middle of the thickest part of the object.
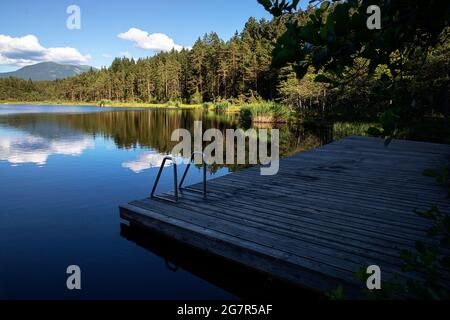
(63, 173)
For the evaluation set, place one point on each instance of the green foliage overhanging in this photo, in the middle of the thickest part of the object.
(334, 41)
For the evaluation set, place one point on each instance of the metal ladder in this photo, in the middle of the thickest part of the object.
(175, 178)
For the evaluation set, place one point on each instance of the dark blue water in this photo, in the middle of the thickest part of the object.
(63, 173)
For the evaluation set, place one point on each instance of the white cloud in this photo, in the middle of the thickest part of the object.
(125, 54)
(26, 50)
(106, 55)
(154, 41)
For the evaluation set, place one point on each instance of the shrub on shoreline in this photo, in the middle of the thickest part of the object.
(105, 102)
(265, 112)
(221, 106)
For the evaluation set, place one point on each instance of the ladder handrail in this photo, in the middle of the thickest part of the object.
(175, 179)
(186, 171)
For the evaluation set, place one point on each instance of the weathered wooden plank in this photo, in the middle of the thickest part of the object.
(344, 200)
(346, 187)
(235, 227)
(309, 206)
(311, 249)
(295, 230)
(294, 209)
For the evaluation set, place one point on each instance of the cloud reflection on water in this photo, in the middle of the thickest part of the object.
(148, 160)
(21, 148)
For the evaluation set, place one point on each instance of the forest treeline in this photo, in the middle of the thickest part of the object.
(238, 71)
(212, 70)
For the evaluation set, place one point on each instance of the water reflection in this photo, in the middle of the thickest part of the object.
(146, 161)
(153, 129)
(240, 281)
(70, 133)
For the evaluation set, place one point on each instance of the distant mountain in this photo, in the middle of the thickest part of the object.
(47, 71)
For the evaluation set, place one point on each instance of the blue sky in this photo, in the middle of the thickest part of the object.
(97, 42)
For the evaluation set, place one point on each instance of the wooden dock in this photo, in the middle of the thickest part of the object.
(328, 212)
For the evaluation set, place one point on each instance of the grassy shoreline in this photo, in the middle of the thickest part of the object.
(112, 105)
